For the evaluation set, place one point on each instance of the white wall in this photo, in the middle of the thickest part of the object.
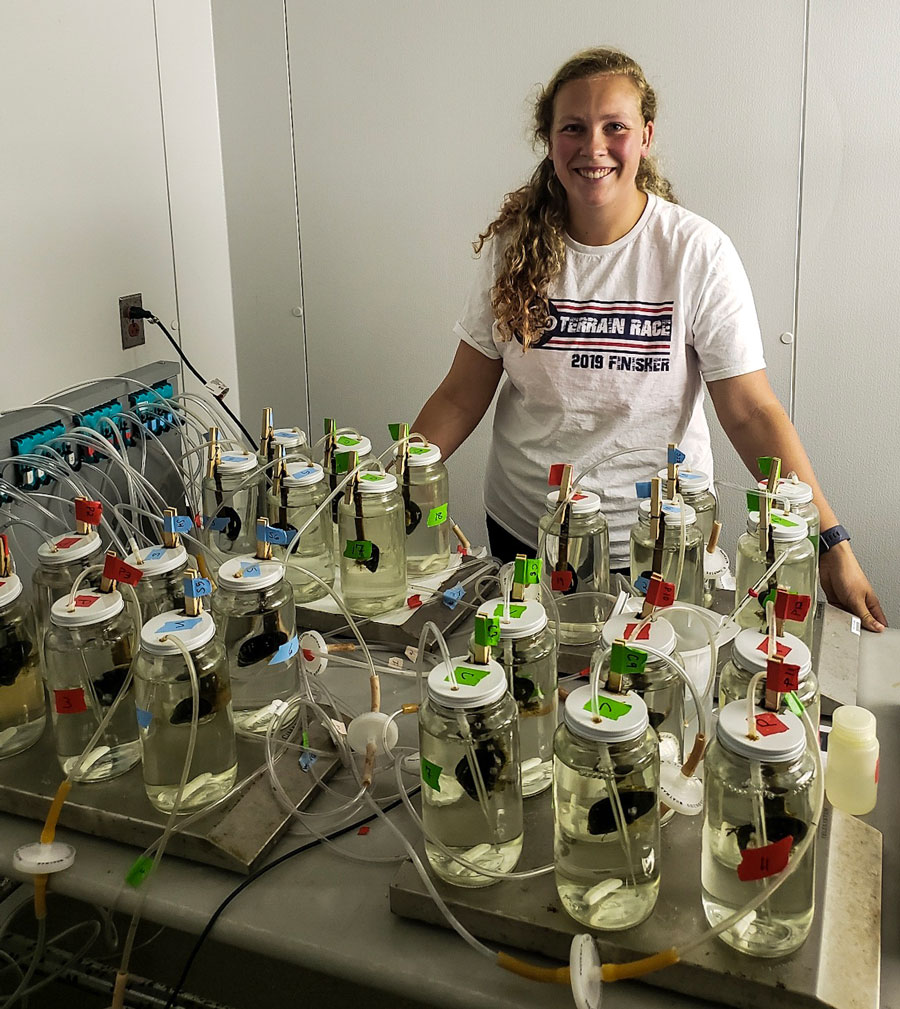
(98, 201)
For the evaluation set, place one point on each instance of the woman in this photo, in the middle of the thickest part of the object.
(606, 304)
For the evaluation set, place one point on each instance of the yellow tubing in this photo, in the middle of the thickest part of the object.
(554, 975)
(637, 968)
(49, 831)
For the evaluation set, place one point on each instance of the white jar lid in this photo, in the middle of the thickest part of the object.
(237, 461)
(69, 547)
(303, 476)
(477, 685)
(786, 527)
(750, 649)
(357, 443)
(662, 634)
(91, 607)
(290, 437)
(691, 481)
(584, 502)
(797, 492)
(787, 742)
(671, 513)
(622, 716)
(520, 621)
(377, 483)
(424, 455)
(159, 560)
(249, 574)
(10, 589)
(193, 632)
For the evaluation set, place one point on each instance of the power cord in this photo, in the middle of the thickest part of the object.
(141, 313)
(170, 1002)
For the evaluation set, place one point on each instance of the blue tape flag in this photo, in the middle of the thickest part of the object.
(250, 570)
(675, 455)
(156, 555)
(218, 524)
(299, 474)
(233, 458)
(274, 535)
(307, 760)
(144, 718)
(642, 584)
(453, 596)
(178, 625)
(286, 652)
(195, 588)
(642, 488)
(178, 524)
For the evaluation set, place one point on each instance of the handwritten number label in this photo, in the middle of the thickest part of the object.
(358, 550)
(69, 702)
(437, 516)
(769, 860)
(431, 774)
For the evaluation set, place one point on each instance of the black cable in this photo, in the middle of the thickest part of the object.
(170, 1002)
(141, 313)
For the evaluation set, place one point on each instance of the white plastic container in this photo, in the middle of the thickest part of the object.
(851, 777)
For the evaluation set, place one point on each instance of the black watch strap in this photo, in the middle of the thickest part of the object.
(829, 538)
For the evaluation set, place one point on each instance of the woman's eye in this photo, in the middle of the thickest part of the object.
(616, 127)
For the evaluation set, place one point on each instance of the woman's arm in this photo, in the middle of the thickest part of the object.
(756, 424)
(460, 401)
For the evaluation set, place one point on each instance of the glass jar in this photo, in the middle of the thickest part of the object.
(799, 496)
(87, 654)
(303, 489)
(22, 712)
(796, 574)
(659, 685)
(749, 652)
(690, 587)
(428, 524)
(60, 562)
(471, 782)
(164, 702)
(694, 489)
(348, 440)
(253, 608)
(162, 586)
(606, 850)
(294, 441)
(758, 794)
(527, 652)
(229, 504)
(587, 561)
(372, 531)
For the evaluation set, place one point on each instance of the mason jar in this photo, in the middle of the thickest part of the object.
(659, 685)
(303, 489)
(428, 523)
(87, 655)
(294, 441)
(165, 706)
(758, 794)
(606, 851)
(372, 530)
(586, 570)
(799, 496)
(694, 489)
(527, 652)
(229, 504)
(60, 562)
(471, 782)
(348, 440)
(690, 588)
(797, 573)
(162, 586)
(253, 608)
(749, 653)
(22, 712)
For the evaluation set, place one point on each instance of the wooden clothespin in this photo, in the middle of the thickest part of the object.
(193, 605)
(655, 508)
(263, 546)
(213, 453)
(352, 485)
(487, 634)
(772, 697)
(279, 471)
(517, 593)
(81, 527)
(108, 584)
(266, 434)
(671, 472)
(170, 539)
(5, 558)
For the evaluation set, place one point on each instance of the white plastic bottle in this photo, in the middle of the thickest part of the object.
(851, 777)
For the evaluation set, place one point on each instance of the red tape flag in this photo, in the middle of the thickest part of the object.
(782, 651)
(769, 724)
(118, 571)
(782, 676)
(88, 511)
(561, 581)
(556, 474)
(791, 606)
(643, 633)
(759, 863)
(660, 593)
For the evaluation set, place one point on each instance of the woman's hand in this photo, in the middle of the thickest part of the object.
(846, 586)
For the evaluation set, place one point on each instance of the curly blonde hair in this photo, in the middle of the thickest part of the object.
(533, 218)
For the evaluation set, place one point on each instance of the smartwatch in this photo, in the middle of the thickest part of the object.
(829, 538)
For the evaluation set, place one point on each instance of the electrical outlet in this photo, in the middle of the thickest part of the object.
(132, 329)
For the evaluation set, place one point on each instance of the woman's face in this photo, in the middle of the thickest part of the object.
(597, 140)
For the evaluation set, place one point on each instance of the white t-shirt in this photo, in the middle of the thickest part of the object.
(635, 327)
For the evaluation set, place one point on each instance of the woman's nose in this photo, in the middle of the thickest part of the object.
(595, 142)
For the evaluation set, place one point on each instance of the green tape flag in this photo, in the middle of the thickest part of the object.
(528, 572)
(514, 610)
(468, 676)
(752, 502)
(608, 708)
(781, 521)
(358, 550)
(431, 774)
(330, 425)
(139, 871)
(342, 461)
(437, 516)
(395, 429)
(487, 630)
(794, 703)
(765, 466)
(419, 449)
(371, 477)
(627, 661)
(345, 439)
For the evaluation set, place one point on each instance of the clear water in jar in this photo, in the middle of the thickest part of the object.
(164, 741)
(782, 923)
(22, 712)
(534, 690)
(239, 508)
(598, 883)
(251, 643)
(794, 575)
(428, 547)
(690, 589)
(161, 593)
(315, 551)
(453, 814)
(583, 611)
(367, 592)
